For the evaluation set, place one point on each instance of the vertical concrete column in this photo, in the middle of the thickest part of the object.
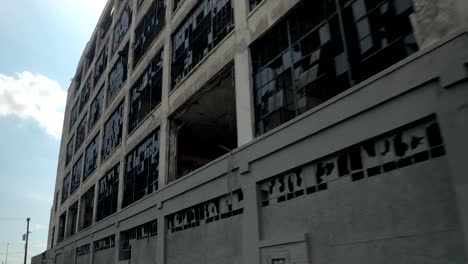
(166, 87)
(453, 119)
(161, 239)
(243, 75)
(250, 223)
(434, 20)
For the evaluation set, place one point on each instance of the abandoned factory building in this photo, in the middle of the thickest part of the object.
(267, 131)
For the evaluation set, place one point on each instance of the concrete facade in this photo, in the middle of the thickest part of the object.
(376, 174)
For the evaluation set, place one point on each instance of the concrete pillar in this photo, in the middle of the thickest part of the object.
(161, 240)
(250, 224)
(243, 76)
(434, 20)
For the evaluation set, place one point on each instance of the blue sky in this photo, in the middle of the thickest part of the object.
(41, 42)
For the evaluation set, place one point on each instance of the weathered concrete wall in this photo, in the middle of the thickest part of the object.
(144, 251)
(106, 256)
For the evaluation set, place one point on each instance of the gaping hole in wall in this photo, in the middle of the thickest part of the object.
(117, 75)
(101, 63)
(95, 110)
(122, 26)
(91, 157)
(74, 114)
(145, 94)
(305, 60)
(70, 148)
(77, 173)
(107, 193)
(65, 188)
(113, 132)
(61, 229)
(205, 128)
(204, 28)
(72, 219)
(144, 231)
(86, 209)
(81, 132)
(141, 169)
(149, 28)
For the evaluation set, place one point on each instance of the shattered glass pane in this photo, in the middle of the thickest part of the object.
(113, 132)
(77, 173)
(122, 25)
(96, 108)
(107, 193)
(91, 157)
(118, 75)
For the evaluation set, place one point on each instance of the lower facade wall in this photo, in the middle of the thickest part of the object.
(374, 186)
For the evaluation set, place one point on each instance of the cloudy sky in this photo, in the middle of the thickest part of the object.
(40, 45)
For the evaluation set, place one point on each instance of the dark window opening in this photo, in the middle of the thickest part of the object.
(74, 114)
(144, 231)
(113, 132)
(91, 157)
(205, 128)
(56, 200)
(145, 94)
(76, 175)
(141, 170)
(122, 26)
(302, 61)
(107, 193)
(176, 4)
(96, 107)
(101, 63)
(70, 148)
(72, 219)
(86, 92)
(105, 243)
(117, 75)
(53, 237)
(65, 187)
(203, 29)
(91, 53)
(86, 209)
(254, 3)
(107, 21)
(77, 82)
(149, 28)
(81, 132)
(61, 229)
(83, 250)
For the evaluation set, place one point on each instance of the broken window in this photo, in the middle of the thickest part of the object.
(61, 230)
(105, 243)
(96, 107)
(176, 4)
(122, 26)
(77, 172)
(101, 63)
(91, 157)
(53, 237)
(77, 82)
(141, 169)
(378, 34)
(74, 114)
(301, 62)
(117, 75)
(83, 250)
(113, 132)
(81, 132)
(254, 3)
(70, 147)
(149, 28)
(216, 209)
(203, 29)
(144, 231)
(107, 20)
(86, 92)
(205, 128)
(91, 53)
(65, 187)
(72, 219)
(107, 193)
(145, 94)
(56, 199)
(86, 209)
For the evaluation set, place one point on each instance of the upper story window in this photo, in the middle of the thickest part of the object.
(91, 157)
(86, 92)
(77, 173)
(149, 28)
(70, 147)
(91, 53)
(204, 28)
(141, 170)
(122, 26)
(101, 63)
(254, 3)
(86, 209)
(81, 132)
(176, 4)
(107, 21)
(113, 132)
(95, 110)
(107, 193)
(117, 75)
(65, 188)
(301, 62)
(77, 82)
(74, 114)
(145, 94)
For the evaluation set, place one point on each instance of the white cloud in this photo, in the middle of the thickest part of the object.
(35, 96)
